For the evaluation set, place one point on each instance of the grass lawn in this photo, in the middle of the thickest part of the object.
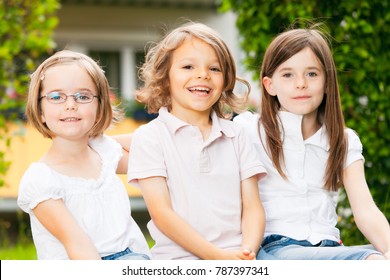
(25, 251)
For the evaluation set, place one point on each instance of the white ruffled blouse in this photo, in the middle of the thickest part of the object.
(101, 207)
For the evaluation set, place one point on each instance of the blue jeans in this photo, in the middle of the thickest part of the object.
(126, 255)
(263, 255)
(285, 248)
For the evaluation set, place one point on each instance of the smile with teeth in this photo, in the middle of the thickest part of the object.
(199, 90)
(70, 119)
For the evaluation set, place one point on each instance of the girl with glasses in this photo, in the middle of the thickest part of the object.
(78, 207)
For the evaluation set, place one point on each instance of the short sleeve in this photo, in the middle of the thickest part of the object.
(355, 147)
(249, 158)
(107, 148)
(37, 185)
(249, 122)
(146, 158)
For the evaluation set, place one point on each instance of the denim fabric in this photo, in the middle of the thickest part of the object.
(285, 248)
(263, 255)
(126, 255)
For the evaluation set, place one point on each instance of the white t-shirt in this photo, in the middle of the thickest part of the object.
(101, 207)
(299, 207)
(203, 177)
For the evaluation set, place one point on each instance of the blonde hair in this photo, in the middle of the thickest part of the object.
(155, 71)
(284, 46)
(106, 113)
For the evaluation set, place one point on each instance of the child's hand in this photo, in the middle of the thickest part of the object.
(243, 254)
(236, 255)
(250, 255)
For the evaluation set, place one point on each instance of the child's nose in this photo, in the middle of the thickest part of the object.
(70, 103)
(203, 74)
(301, 83)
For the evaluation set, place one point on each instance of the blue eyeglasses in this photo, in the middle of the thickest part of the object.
(60, 97)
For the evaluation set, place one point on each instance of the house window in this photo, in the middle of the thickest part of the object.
(139, 60)
(110, 62)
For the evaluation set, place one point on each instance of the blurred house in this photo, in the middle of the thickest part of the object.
(116, 33)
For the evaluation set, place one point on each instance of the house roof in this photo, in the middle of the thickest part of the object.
(149, 3)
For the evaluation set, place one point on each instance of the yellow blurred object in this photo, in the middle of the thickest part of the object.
(28, 145)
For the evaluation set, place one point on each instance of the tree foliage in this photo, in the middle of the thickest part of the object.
(361, 49)
(26, 28)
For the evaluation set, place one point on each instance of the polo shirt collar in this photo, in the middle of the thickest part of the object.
(292, 125)
(220, 126)
(174, 124)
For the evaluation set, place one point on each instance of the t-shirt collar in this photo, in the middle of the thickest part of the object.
(292, 124)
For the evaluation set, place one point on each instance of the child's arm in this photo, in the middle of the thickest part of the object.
(156, 195)
(124, 140)
(57, 219)
(253, 216)
(369, 219)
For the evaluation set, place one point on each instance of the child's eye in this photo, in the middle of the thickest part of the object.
(83, 96)
(312, 74)
(56, 97)
(215, 69)
(187, 67)
(287, 75)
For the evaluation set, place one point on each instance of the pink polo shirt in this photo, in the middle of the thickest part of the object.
(203, 177)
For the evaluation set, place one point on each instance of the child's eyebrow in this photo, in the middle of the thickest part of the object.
(285, 69)
(307, 68)
(63, 91)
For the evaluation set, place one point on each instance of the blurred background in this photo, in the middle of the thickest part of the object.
(118, 32)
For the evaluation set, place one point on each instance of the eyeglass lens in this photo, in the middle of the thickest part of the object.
(79, 97)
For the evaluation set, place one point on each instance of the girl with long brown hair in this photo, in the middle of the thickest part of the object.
(309, 154)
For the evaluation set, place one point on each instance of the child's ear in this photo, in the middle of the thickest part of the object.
(267, 82)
